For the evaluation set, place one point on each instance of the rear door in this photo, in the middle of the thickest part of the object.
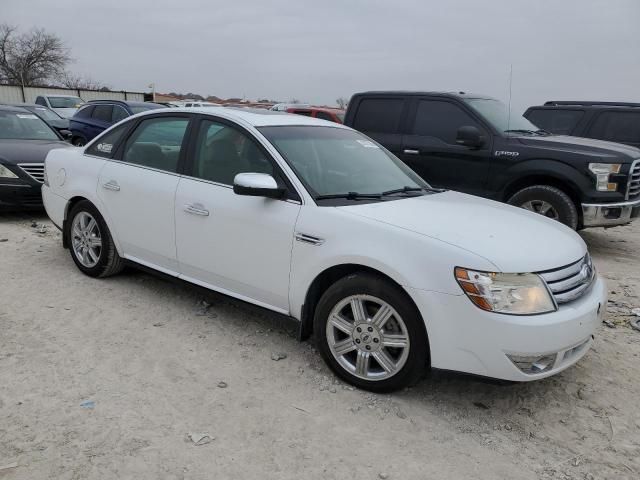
(430, 147)
(616, 126)
(381, 118)
(138, 188)
(100, 120)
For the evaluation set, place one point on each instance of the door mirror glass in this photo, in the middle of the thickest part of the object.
(257, 185)
(469, 137)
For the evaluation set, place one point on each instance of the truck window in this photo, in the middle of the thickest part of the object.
(379, 115)
(559, 121)
(621, 127)
(435, 118)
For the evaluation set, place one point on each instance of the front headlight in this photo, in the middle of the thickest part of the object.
(512, 293)
(603, 172)
(6, 173)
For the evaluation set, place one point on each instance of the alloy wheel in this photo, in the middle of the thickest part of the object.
(367, 337)
(541, 207)
(86, 239)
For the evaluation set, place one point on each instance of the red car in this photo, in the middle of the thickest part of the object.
(323, 113)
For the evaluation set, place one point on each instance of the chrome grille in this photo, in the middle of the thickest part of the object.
(634, 181)
(34, 170)
(570, 282)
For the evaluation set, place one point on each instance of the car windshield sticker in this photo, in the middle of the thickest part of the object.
(367, 143)
(30, 116)
(104, 147)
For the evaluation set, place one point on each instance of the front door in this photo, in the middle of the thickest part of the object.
(138, 190)
(430, 148)
(234, 244)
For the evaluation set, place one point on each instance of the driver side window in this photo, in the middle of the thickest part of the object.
(222, 152)
(441, 120)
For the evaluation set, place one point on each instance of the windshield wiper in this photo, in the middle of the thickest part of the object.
(530, 132)
(348, 196)
(404, 189)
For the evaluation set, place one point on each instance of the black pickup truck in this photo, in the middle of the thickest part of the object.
(470, 143)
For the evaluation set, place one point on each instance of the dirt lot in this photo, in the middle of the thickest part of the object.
(106, 378)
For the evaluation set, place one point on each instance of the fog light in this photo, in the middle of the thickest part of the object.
(534, 363)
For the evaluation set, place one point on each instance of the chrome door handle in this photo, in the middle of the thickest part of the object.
(111, 185)
(196, 209)
(411, 151)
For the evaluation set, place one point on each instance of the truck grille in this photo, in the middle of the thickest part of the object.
(570, 282)
(34, 170)
(634, 181)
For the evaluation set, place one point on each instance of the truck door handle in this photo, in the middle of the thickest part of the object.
(196, 209)
(411, 151)
(111, 185)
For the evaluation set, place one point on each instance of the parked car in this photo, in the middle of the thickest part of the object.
(200, 104)
(317, 222)
(469, 143)
(282, 107)
(64, 105)
(25, 140)
(98, 115)
(611, 121)
(49, 116)
(335, 115)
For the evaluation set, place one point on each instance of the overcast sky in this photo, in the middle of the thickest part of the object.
(319, 50)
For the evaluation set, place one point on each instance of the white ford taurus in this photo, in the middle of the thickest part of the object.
(315, 221)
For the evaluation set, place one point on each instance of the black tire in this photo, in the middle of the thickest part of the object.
(78, 141)
(364, 283)
(109, 262)
(565, 209)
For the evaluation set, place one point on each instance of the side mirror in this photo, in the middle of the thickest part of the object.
(469, 137)
(257, 185)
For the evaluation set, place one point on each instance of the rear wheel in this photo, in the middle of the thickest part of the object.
(79, 141)
(370, 333)
(548, 201)
(90, 242)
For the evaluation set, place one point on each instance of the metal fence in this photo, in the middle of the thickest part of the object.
(17, 94)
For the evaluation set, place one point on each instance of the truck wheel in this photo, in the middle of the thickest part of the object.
(370, 333)
(548, 201)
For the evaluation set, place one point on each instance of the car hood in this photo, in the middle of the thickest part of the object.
(513, 239)
(65, 112)
(585, 146)
(28, 151)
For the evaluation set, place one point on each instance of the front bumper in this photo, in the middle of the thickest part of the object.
(609, 214)
(466, 339)
(20, 196)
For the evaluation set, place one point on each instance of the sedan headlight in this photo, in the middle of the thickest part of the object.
(6, 173)
(603, 172)
(512, 293)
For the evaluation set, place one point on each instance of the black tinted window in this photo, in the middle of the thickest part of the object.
(222, 152)
(379, 115)
(324, 116)
(306, 113)
(156, 143)
(119, 113)
(106, 145)
(40, 101)
(435, 118)
(84, 112)
(103, 113)
(621, 127)
(558, 121)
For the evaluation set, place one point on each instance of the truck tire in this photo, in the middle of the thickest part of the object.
(548, 201)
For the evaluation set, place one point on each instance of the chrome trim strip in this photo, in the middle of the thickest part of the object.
(570, 282)
(633, 183)
(310, 239)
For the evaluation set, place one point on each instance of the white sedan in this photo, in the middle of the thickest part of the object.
(317, 222)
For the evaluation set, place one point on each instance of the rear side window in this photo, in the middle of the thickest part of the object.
(118, 114)
(306, 113)
(558, 121)
(379, 115)
(156, 143)
(40, 101)
(106, 145)
(103, 113)
(84, 112)
(324, 116)
(438, 119)
(621, 127)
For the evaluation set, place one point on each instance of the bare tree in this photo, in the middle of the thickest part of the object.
(80, 82)
(30, 58)
(342, 102)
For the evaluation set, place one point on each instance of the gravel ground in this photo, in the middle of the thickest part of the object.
(136, 377)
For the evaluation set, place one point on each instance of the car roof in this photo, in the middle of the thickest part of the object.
(28, 105)
(589, 104)
(257, 117)
(12, 108)
(57, 95)
(130, 103)
(318, 109)
(424, 93)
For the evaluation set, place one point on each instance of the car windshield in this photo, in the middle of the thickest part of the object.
(24, 126)
(143, 108)
(46, 114)
(496, 113)
(341, 162)
(65, 102)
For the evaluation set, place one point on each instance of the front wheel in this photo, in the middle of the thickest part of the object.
(79, 142)
(370, 333)
(548, 201)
